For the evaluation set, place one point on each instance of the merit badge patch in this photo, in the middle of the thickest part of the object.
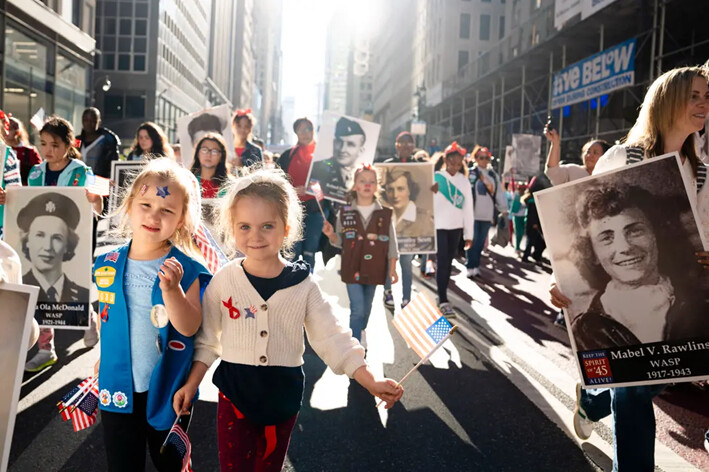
(383, 238)
(350, 234)
(104, 396)
(233, 311)
(104, 276)
(176, 345)
(372, 236)
(35, 173)
(367, 257)
(120, 399)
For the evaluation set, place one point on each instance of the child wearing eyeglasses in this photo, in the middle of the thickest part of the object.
(210, 166)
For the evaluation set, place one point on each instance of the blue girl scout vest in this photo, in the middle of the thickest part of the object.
(73, 175)
(115, 373)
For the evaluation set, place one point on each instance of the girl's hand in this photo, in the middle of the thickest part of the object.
(170, 274)
(434, 188)
(558, 299)
(468, 243)
(703, 258)
(92, 197)
(393, 275)
(328, 230)
(96, 367)
(3, 196)
(387, 390)
(182, 400)
(552, 135)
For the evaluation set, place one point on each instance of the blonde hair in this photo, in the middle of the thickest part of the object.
(164, 169)
(351, 195)
(271, 185)
(664, 101)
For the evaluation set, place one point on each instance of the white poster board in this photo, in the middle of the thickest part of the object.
(18, 303)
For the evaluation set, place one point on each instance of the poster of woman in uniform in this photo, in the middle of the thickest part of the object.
(405, 188)
(525, 155)
(190, 128)
(623, 245)
(344, 143)
(51, 229)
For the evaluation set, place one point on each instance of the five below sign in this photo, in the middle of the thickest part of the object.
(596, 75)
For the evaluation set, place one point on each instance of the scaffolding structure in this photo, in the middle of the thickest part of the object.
(487, 103)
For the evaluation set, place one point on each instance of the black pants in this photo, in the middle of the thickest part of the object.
(125, 436)
(448, 240)
(534, 240)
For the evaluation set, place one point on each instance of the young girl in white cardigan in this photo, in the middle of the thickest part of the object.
(254, 311)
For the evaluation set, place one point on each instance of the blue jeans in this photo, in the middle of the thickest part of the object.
(361, 297)
(406, 275)
(481, 229)
(633, 423)
(312, 230)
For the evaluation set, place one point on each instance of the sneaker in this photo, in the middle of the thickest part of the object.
(404, 302)
(470, 272)
(91, 335)
(474, 272)
(447, 310)
(41, 360)
(430, 268)
(706, 441)
(582, 425)
(388, 299)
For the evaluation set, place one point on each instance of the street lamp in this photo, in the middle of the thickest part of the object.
(105, 86)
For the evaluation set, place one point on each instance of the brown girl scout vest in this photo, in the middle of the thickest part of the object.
(365, 250)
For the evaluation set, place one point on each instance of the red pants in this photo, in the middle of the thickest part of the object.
(247, 446)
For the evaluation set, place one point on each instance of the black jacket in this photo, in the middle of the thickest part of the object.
(100, 156)
(252, 155)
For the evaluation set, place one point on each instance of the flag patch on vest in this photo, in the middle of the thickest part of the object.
(111, 257)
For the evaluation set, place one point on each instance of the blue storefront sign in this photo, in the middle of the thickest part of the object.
(596, 75)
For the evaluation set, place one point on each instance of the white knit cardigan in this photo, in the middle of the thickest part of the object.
(271, 333)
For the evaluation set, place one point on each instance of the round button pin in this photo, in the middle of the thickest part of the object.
(158, 316)
(263, 359)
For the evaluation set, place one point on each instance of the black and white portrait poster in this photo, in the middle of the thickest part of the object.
(622, 246)
(406, 189)
(343, 144)
(122, 173)
(190, 128)
(51, 230)
(525, 156)
(17, 302)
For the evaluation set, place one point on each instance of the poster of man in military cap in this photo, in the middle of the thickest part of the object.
(344, 143)
(51, 229)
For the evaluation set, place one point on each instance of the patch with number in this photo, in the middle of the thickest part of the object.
(120, 399)
(104, 396)
(106, 297)
(104, 276)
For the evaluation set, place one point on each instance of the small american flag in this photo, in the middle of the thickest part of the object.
(80, 405)
(214, 256)
(178, 439)
(98, 185)
(421, 325)
(316, 190)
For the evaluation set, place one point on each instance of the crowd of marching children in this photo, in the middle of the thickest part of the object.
(251, 313)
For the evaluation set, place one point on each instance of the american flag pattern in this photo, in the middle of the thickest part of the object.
(317, 191)
(80, 405)
(181, 442)
(211, 252)
(421, 325)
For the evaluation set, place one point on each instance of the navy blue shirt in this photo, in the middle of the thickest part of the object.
(266, 395)
(51, 177)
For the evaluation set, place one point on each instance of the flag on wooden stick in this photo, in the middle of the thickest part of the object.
(421, 325)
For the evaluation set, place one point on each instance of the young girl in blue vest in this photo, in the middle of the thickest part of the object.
(453, 205)
(62, 167)
(366, 233)
(254, 312)
(150, 309)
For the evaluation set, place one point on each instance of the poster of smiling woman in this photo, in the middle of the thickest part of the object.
(622, 245)
(343, 144)
(51, 230)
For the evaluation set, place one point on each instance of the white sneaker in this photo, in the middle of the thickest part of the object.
(582, 425)
(91, 335)
(471, 272)
(447, 310)
(41, 360)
